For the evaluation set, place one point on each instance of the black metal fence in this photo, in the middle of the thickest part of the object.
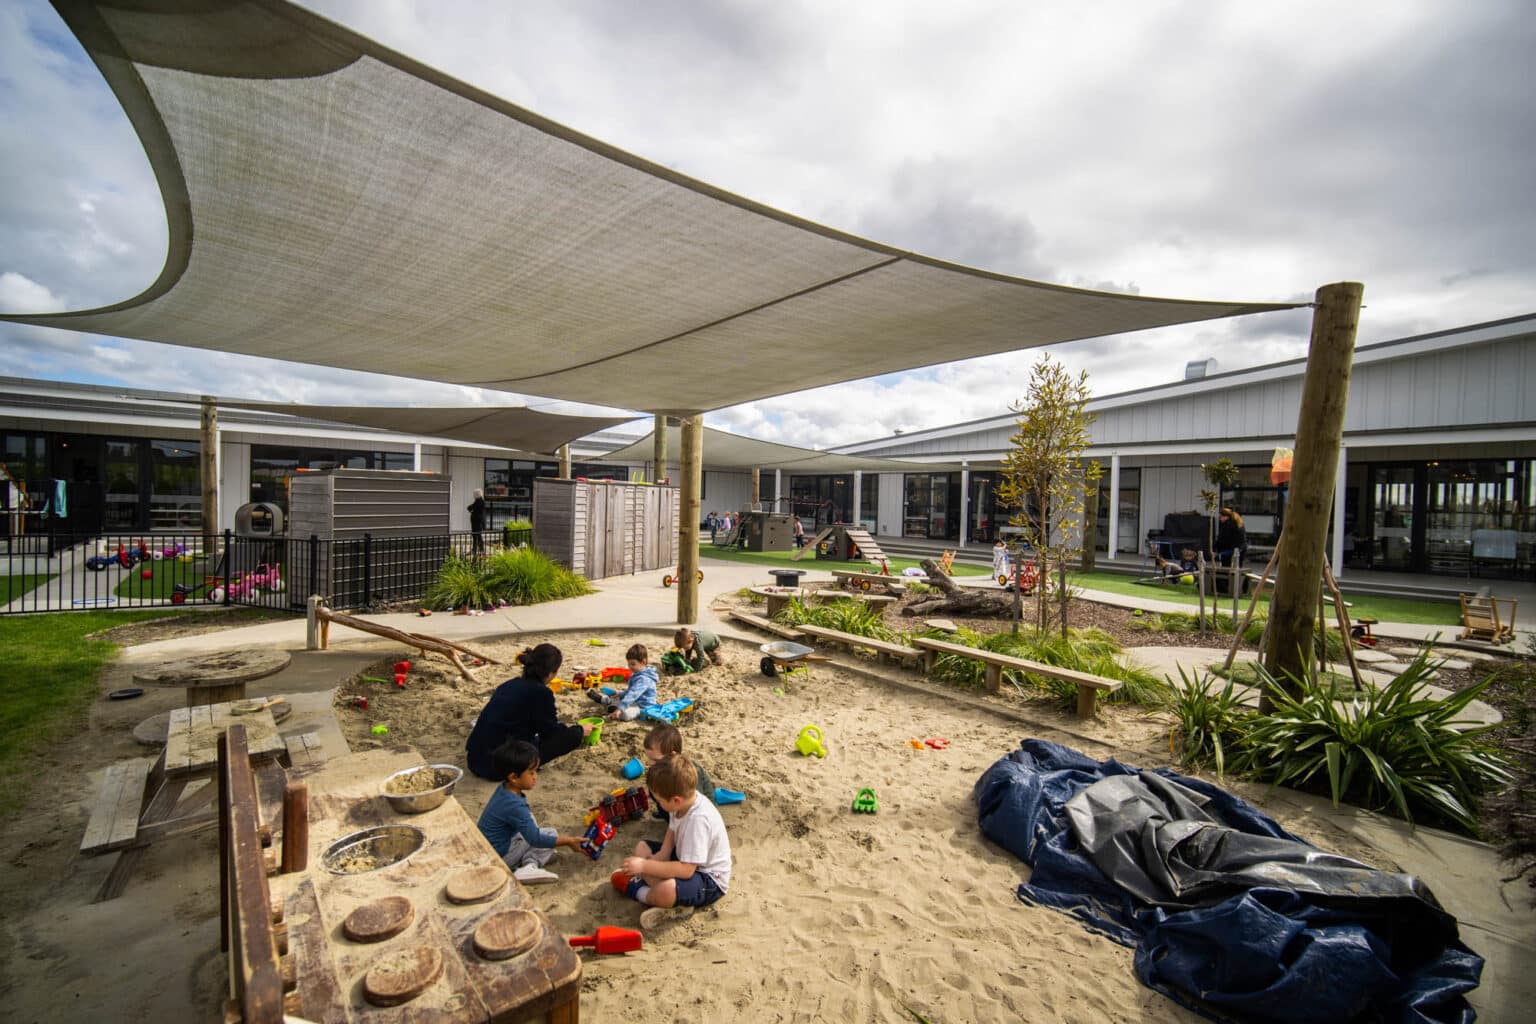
(65, 572)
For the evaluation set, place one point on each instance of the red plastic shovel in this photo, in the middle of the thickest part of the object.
(610, 940)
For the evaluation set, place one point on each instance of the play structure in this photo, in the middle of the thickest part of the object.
(841, 542)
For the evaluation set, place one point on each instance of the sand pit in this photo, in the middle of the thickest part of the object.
(832, 915)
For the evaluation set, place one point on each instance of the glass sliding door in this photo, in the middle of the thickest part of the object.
(123, 507)
(1395, 497)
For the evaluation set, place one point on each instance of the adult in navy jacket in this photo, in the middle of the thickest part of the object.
(523, 709)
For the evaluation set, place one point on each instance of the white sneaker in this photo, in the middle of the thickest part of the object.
(532, 874)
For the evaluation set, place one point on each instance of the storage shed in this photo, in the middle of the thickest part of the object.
(378, 535)
(604, 528)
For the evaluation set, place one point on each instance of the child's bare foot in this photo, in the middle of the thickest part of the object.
(655, 919)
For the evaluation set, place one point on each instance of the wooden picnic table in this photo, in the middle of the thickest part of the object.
(141, 803)
(541, 983)
(217, 676)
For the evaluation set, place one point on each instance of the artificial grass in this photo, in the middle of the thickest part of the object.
(783, 560)
(49, 682)
(1384, 609)
(15, 586)
(165, 573)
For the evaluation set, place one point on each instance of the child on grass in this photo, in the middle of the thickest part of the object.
(664, 741)
(641, 692)
(691, 866)
(507, 822)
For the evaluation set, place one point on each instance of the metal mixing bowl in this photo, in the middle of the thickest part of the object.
(390, 844)
(415, 803)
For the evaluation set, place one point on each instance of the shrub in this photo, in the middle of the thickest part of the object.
(461, 582)
(846, 616)
(1083, 650)
(1208, 721)
(523, 576)
(1390, 748)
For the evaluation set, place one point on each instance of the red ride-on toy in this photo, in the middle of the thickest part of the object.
(668, 580)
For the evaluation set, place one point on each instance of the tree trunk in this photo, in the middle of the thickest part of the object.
(957, 600)
(1319, 430)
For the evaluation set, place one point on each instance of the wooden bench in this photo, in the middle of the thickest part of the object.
(305, 750)
(766, 624)
(866, 580)
(114, 821)
(884, 648)
(1088, 685)
(838, 594)
(1482, 619)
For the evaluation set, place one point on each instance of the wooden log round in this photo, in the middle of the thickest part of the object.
(402, 976)
(507, 934)
(379, 919)
(476, 885)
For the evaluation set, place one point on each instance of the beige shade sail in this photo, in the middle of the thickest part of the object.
(333, 202)
(504, 427)
(724, 450)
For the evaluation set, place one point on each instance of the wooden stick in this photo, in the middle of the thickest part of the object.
(1258, 591)
(420, 641)
(1343, 617)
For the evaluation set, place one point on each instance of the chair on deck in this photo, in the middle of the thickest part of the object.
(1481, 618)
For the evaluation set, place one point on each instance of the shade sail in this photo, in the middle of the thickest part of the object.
(333, 202)
(505, 427)
(724, 450)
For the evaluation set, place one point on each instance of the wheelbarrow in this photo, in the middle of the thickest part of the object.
(786, 656)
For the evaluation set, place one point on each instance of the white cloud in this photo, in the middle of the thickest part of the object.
(1223, 151)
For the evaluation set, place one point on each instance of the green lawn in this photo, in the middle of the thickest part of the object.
(50, 680)
(15, 586)
(164, 573)
(1386, 609)
(783, 560)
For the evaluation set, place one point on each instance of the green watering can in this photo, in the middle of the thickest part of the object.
(809, 742)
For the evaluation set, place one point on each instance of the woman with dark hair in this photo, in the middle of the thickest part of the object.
(523, 708)
(1231, 538)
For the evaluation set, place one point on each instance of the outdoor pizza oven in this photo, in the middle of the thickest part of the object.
(259, 519)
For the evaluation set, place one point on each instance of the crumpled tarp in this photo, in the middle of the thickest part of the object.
(1229, 914)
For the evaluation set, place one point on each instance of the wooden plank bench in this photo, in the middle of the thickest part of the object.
(866, 580)
(1088, 685)
(305, 750)
(114, 821)
(884, 648)
(838, 594)
(766, 624)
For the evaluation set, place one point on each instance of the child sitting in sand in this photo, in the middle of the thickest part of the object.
(691, 866)
(507, 822)
(663, 742)
(698, 647)
(639, 694)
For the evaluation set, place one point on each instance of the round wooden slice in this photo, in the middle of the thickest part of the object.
(475, 885)
(507, 934)
(379, 919)
(402, 976)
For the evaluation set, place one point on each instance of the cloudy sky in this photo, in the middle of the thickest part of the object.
(1197, 149)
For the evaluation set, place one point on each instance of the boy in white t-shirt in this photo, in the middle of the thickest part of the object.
(691, 866)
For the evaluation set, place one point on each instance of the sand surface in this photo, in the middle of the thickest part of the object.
(831, 915)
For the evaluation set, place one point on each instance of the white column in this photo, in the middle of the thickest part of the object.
(779, 504)
(1114, 504)
(1336, 556)
(965, 503)
(858, 496)
(416, 457)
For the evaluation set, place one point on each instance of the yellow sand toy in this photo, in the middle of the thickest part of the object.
(809, 742)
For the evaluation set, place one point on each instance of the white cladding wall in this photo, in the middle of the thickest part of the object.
(234, 480)
(465, 473)
(728, 490)
(892, 494)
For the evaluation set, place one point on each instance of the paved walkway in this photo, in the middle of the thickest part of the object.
(1495, 917)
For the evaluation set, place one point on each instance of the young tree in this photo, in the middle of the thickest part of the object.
(1044, 476)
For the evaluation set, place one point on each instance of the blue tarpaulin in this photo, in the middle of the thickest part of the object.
(1229, 914)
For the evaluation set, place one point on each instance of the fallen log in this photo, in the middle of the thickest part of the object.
(420, 641)
(958, 600)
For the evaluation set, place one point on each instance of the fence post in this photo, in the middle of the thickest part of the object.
(314, 564)
(367, 571)
(229, 564)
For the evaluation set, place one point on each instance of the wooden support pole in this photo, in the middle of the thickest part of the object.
(757, 488)
(208, 460)
(565, 462)
(691, 469)
(659, 448)
(312, 623)
(295, 827)
(1319, 431)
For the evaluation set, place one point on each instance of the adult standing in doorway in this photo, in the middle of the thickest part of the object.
(477, 520)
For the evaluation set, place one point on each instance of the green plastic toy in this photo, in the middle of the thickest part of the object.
(380, 730)
(864, 802)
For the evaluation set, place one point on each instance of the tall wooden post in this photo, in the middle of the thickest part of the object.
(565, 462)
(757, 487)
(209, 463)
(1319, 432)
(691, 469)
(659, 447)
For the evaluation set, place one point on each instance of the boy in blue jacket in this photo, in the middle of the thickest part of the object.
(508, 823)
(641, 692)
